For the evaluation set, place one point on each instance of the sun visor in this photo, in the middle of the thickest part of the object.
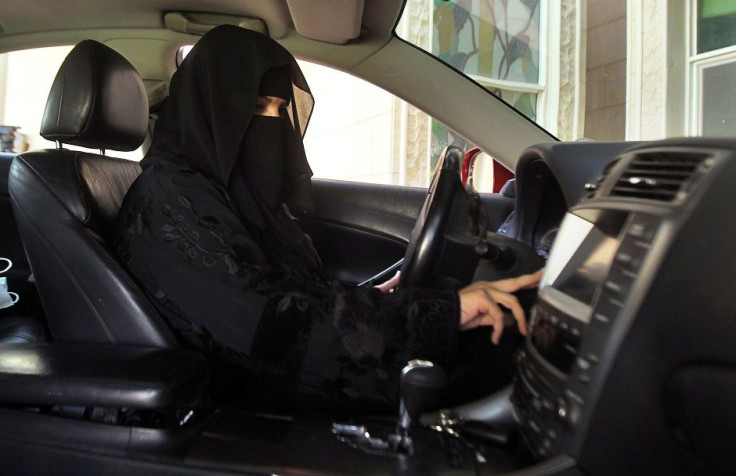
(331, 21)
(201, 23)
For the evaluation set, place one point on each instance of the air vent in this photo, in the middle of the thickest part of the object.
(657, 175)
(591, 188)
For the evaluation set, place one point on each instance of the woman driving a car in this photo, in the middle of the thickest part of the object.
(207, 230)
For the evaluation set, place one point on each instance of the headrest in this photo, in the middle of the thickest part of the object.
(97, 101)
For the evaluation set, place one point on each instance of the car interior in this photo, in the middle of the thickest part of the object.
(629, 366)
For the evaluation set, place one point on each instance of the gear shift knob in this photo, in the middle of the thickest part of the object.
(422, 387)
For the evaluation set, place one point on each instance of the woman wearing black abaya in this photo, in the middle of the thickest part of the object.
(205, 231)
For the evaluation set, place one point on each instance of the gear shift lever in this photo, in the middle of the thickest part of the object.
(422, 388)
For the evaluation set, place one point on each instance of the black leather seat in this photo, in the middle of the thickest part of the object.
(66, 203)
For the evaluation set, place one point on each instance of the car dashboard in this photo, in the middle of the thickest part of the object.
(630, 361)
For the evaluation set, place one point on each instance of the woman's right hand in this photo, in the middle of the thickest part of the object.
(479, 303)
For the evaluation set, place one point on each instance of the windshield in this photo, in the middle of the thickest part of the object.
(592, 69)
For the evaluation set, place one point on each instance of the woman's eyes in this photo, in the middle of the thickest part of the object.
(263, 105)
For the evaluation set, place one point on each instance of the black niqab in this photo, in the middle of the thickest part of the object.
(209, 124)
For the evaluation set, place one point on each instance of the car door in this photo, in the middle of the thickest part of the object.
(372, 155)
(360, 229)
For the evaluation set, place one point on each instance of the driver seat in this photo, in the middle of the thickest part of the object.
(66, 203)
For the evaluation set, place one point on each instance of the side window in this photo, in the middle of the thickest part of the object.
(25, 81)
(359, 132)
(713, 68)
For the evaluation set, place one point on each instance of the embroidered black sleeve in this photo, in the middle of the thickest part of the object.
(209, 279)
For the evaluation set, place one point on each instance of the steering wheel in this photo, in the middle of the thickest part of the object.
(424, 252)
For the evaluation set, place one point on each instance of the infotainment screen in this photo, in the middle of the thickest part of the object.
(588, 268)
(579, 263)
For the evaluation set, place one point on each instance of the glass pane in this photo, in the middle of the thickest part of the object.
(25, 81)
(716, 24)
(525, 103)
(719, 100)
(350, 134)
(584, 94)
(359, 132)
(442, 136)
(498, 40)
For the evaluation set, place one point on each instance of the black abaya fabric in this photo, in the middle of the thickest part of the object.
(205, 232)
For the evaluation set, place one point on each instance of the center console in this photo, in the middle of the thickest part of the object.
(634, 296)
(586, 286)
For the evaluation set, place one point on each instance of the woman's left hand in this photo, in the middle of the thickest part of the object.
(390, 285)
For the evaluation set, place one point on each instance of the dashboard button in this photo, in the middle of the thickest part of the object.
(641, 228)
(607, 309)
(601, 319)
(618, 284)
(630, 256)
(574, 397)
(638, 230)
(563, 413)
(625, 257)
(583, 364)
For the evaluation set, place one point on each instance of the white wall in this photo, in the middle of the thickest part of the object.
(350, 135)
(27, 84)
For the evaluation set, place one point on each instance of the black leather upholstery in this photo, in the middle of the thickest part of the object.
(100, 375)
(20, 330)
(97, 100)
(66, 203)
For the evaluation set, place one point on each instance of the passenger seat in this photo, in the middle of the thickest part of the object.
(66, 203)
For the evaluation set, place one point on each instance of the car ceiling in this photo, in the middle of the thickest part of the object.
(137, 30)
(47, 22)
(35, 16)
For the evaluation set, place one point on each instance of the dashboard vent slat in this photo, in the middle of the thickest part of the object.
(592, 188)
(658, 175)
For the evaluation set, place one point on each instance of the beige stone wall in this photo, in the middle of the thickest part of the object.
(647, 72)
(568, 100)
(605, 91)
(412, 126)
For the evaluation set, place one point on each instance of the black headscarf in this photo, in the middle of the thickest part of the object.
(208, 124)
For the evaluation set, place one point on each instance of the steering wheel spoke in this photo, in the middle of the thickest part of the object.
(425, 250)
